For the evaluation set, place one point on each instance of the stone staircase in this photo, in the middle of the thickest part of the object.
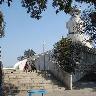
(17, 83)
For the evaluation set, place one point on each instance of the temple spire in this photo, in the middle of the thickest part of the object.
(76, 27)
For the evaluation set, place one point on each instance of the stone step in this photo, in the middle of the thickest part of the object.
(23, 77)
(29, 81)
(22, 81)
(31, 74)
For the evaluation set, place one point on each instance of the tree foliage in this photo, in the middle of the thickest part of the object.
(73, 56)
(20, 58)
(27, 54)
(68, 55)
(63, 56)
(2, 25)
(36, 7)
(89, 18)
(87, 1)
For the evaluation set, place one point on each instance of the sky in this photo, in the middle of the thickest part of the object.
(23, 33)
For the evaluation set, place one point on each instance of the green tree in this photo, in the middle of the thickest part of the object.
(89, 18)
(29, 53)
(2, 25)
(36, 7)
(62, 55)
(67, 55)
(20, 58)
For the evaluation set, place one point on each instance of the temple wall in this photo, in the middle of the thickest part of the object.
(77, 76)
(88, 60)
(62, 76)
(40, 62)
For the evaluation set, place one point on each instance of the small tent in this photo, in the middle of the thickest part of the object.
(20, 65)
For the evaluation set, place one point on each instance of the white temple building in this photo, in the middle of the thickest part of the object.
(76, 28)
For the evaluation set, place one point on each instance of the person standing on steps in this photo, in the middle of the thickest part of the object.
(26, 67)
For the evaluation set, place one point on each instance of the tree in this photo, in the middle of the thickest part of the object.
(62, 54)
(2, 25)
(36, 7)
(29, 53)
(68, 56)
(89, 18)
(20, 58)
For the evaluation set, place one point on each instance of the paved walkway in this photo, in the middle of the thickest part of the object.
(82, 92)
(80, 89)
(84, 89)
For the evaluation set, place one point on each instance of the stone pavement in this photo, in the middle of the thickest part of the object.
(61, 92)
(79, 89)
(88, 91)
(82, 92)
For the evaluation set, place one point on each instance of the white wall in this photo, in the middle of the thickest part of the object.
(54, 69)
(40, 62)
(63, 76)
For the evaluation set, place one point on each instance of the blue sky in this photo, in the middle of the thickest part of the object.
(23, 32)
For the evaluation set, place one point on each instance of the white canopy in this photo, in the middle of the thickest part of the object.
(20, 65)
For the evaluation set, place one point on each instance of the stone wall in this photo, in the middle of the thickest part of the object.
(63, 76)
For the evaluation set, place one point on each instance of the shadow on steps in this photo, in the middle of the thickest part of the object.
(9, 88)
